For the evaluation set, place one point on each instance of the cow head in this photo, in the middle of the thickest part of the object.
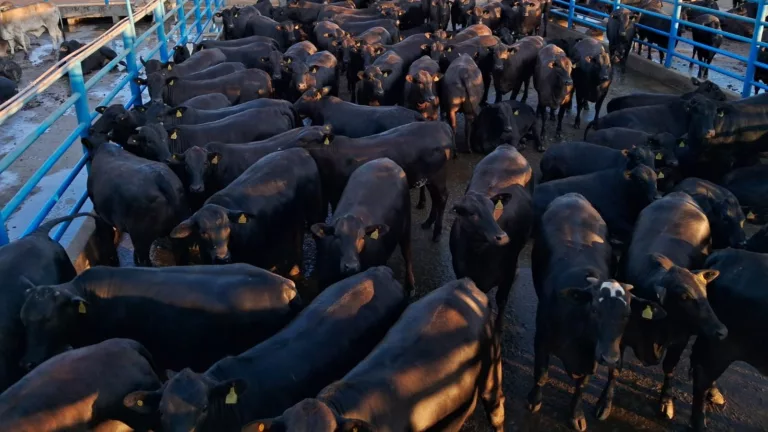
(273, 63)
(212, 224)
(639, 156)
(562, 84)
(439, 14)
(302, 76)
(683, 293)
(287, 31)
(180, 54)
(68, 47)
(11, 70)
(346, 47)
(641, 184)
(705, 118)
(110, 116)
(728, 224)
(425, 85)
(437, 50)
(510, 134)
(150, 142)
(501, 54)
(309, 415)
(197, 163)
(151, 66)
(611, 306)
(625, 21)
(339, 246)
(370, 53)
(315, 136)
(189, 401)
(309, 103)
(479, 215)
(156, 84)
(373, 79)
(49, 314)
(709, 89)
(528, 8)
(663, 146)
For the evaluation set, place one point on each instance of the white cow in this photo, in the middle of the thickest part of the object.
(35, 19)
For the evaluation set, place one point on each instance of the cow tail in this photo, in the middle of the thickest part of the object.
(46, 227)
(586, 130)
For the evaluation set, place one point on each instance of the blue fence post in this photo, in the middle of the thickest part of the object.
(571, 11)
(616, 4)
(208, 10)
(754, 49)
(183, 23)
(133, 69)
(159, 14)
(198, 18)
(673, 33)
(82, 110)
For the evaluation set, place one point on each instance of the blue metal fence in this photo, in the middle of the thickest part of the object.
(79, 95)
(571, 11)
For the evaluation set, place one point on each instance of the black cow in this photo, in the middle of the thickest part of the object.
(303, 11)
(726, 220)
(480, 49)
(196, 63)
(491, 14)
(493, 223)
(619, 195)
(592, 76)
(462, 91)
(506, 122)
(663, 144)
(180, 54)
(382, 82)
(337, 330)
(524, 17)
(210, 43)
(577, 158)
(184, 115)
(738, 300)
(282, 32)
(11, 70)
(459, 13)
(394, 388)
(660, 39)
(737, 126)
(235, 19)
(410, 49)
(142, 198)
(327, 35)
(186, 304)
(79, 389)
(704, 88)
(706, 38)
(421, 87)
(51, 265)
(620, 31)
(364, 15)
(671, 237)
(259, 55)
(514, 66)
(239, 87)
(695, 14)
(553, 83)
(582, 313)
(220, 70)
(750, 186)
(439, 13)
(372, 217)
(758, 242)
(345, 117)
(93, 62)
(317, 71)
(356, 28)
(241, 224)
(8, 89)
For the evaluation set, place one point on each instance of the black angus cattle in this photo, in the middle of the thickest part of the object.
(421, 87)
(505, 122)
(364, 15)
(180, 54)
(261, 55)
(79, 389)
(671, 237)
(196, 63)
(480, 49)
(663, 144)
(337, 330)
(8, 88)
(259, 218)
(459, 13)
(592, 76)
(304, 11)
(758, 242)
(554, 86)
(372, 217)
(524, 17)
(438, 13)
(660, 39)
(491, 14)
(93, 62)
(282, 32)
(739, 301)
(706, 38)
(345, 117)
(576, 158)
(355, 55)
(493, 223)
(348, 47)
(514, 65)
(327, 35)
(412, 16)
(234, 20)
(382, 82)
(620, 31)
(423, 159)
(220, 70)
(442, 345)
(265, 7)
(329, 12)
(694, 14)
(186, 316)
(737, 126)
(582, 313)
(185, 115)
(210, 43)
(356, 28)
(410, 49)
(239, 87)
(32, 259)
(750, 186)
(11, 70)
(140, 197)
(726, 220)
(317, 71)
(618, 194)
(210, 169)
(704, 88)
(467, 33)
(297, 53)
(462, 91)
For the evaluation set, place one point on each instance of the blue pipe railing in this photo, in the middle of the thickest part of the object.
(572, 11)
(71, 67)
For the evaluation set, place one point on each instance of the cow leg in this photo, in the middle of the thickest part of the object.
(661, 57)
(578, 421)
(605, 404)
(438, 193)
(525, 92)
(693, 56)
(666, 403)
(405, 249)
(580, 102)
(541, 113)
(540, 362)
(560, 115)
(492, 394)
(498, 91)
(552, 114)
(711, 366)
(422, 198)
(469, 121)
(599, 105)
(486, 88)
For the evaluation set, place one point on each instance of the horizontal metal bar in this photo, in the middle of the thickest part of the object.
(65, 225)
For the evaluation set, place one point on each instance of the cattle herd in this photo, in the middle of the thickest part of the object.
(638, 231)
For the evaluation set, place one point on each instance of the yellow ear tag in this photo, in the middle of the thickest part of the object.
(681, 144)
(215, 160)
(499, 206)
(647, 313)
(231, 398)
(661, 175)
(750, 215)
(241, 220)
(170, 83)
(261, 427)
(170, 67)
(81, 308)
(742, 224)
(327, 141)
(140, 402)
(659, 156)
(178, 114)
(174, 135)
(516, 112)
(375, 234)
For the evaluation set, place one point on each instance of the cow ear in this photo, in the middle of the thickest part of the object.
(374, 231)
(143, 402)
(582, 295)
(214, 158)
(551, 65)
(645, 309)
(176, 159)
(502, 197)
(140, 81)
(438, 76)
(279, 27)
(183, 230)
(325, 91)
(409, 78)
(707, 275)
(320, 230)
(625, 152)
(217, 14)
(265, 425)
(230, 390)
(424, 47)
(100, 109)
(238, 217)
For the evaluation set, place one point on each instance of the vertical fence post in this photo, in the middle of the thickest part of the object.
(198, 18)
(133, 70)
(82, 110)
(674, 24)
(616, 4)
(159, 14)
(754, 49)
(208, 10)
(183, 22)
(571, 11)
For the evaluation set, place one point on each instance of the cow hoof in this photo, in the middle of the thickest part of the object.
(580, 423)
(715, 397)
(603, 410)
(667, 409)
